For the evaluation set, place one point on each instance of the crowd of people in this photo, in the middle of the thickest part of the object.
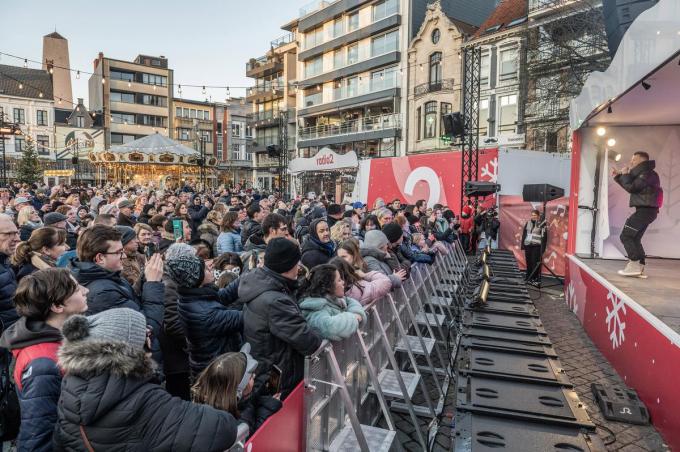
(138, 318)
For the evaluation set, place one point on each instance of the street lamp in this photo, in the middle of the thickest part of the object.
(6, 128)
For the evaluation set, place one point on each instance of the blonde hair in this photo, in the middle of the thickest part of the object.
(217, 385)
(337, 231)
(139, 226)
(24, 215)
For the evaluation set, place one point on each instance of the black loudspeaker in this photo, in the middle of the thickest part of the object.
(273, 150)
(74, 160)
(541, 192)
(200, 162)
(477, 188)
(453, 124)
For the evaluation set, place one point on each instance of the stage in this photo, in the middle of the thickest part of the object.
(635, 323)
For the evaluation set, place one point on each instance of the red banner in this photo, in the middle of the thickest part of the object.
(642, 349)
(283, 431)
(433, 177)
(514, 213)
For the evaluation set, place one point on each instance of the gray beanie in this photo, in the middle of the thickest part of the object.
(186, 271)
(127, 234)
(375, 239)
(114, 325)
(177, 250)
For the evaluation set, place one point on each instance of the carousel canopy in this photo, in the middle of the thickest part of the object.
(155, 144)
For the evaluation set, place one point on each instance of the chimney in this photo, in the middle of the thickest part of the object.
(80, 101)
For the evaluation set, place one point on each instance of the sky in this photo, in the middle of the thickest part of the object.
(206, 42)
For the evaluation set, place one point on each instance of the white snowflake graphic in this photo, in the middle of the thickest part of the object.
(615, 320)
(490, 170)
(570, 296)
(550, 260)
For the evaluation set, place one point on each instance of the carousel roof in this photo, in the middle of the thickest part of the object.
(154, 144)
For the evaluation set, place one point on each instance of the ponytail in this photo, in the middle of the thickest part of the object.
(22, 254)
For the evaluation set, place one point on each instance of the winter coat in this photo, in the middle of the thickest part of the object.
(414, 255)
(26, 229)
(334, 319)
(211, 328)
(378, 261)
(208, 231)
(274, 327)
(8, 285)
(374, 286)
(125, 221)
(34, 346)
(248, 228)
(173, 338)
(254, 410)
(229, 242)
(108, 389)
(314, 254)
(643, 184)
(33, 265)
(466, 224)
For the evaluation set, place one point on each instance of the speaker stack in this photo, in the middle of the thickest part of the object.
(512, 392)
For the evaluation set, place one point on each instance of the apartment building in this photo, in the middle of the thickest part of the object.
(233, 142)
(135, 97)
(193, 123)
(435, 76)
(272, 120)
(503, 75)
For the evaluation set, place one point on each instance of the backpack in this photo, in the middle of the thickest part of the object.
(10, 416)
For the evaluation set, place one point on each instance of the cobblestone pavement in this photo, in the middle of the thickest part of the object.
(583, 363)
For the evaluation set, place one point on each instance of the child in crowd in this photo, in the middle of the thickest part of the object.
(325, 306)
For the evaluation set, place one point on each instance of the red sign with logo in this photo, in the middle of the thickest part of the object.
(433, 177)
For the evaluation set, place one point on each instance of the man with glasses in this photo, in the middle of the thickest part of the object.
(9, 239)
(98, 267)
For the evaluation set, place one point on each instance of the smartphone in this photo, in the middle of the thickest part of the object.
(150, 249)
(274, 383)
(177, 229)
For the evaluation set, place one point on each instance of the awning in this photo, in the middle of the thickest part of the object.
(324, 160)
(154, 144)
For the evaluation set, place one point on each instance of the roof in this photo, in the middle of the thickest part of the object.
(469, 11)
(507, 12)
(55, 35)
(154, 144)
(35, 81)
(465, 28)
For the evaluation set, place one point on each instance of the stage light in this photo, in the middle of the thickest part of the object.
(601, 131)
(614, 156)
(646, 85)
(609, 108)
(611, 142)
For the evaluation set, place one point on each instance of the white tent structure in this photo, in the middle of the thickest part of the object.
(633, 106)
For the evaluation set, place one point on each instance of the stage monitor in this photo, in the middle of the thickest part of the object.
(541, 192)
(478, 188)
(453, 124)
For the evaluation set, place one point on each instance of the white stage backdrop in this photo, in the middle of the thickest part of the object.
(663, 236)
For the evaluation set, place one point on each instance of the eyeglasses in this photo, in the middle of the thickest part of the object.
(120, 252)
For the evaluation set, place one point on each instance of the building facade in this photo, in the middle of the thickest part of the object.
(435, 78)
(503, 76)
(194, 124)
(134, 97)
(233, 143)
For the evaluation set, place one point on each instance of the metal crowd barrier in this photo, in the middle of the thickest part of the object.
(353, 383)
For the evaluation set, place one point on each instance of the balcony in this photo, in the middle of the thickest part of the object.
(364, 59)
(263, 93)
(366, 128)
(540, 8)
(319, 11)
(283, 40)
(447, 84)
(269, 118)
(351, 96)
(263, 67)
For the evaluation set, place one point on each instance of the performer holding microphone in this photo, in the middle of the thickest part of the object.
(642, 182)
(534, 239)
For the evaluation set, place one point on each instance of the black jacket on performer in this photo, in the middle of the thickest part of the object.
(274, 327)
(109, 394)
(643, 184)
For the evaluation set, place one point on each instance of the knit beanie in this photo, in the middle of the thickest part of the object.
(179, 249)
(392, 231)
(281, 255)
(375, 239)
(127, 234)
(113, 325)
(187, 271)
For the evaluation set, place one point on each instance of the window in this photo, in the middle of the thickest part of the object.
(314, 66)
(151, 120)
(385, 43)
(483, 116)
(314, 37)
(206, 115)
(384, 9)
(338, 59)
(384, 78)
(445, 109)
(178, 112)
(206, 135)
(122, 118)
(508, 64)
(19, 116)
(338, 27)
(352, 84)
(2, 115)
(19, 144)
(192, 113)
(120, 75)
(42, 117)
(158, 101)
(436, 68)
(183, 134)
(153, 79)
(352, 53)
(218, 128)
(128, 98)
(80, 121)
(186, 112)
(43, 142)
(236, 130)
(485, 69)
(435, 36)
(419, 120)
(353, 21)
(430, 119)
(119, 138)
(507, 113)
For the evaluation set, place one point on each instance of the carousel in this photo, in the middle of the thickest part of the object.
(154, 159)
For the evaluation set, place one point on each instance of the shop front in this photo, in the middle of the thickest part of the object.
(326, 172)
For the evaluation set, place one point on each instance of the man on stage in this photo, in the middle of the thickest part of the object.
(534, 240)
(642, 182)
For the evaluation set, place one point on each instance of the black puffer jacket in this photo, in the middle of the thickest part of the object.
(643, 184)
(274, 327)
(8, 285)
(249, 228)
(313, 251)
(211, 327)
(108, 389)
(173, 338)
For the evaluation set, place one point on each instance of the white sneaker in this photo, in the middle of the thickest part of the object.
(633, 268)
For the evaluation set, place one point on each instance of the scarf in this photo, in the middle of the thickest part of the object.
(327, 247)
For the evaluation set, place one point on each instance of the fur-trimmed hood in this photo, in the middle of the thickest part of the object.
(90, 358)
(208, 227)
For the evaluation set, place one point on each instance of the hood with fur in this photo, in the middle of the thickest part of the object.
(90, 358)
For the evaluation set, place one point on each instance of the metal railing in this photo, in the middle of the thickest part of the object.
(283, 40)
(351, 384)
(447, 84)
(348, 92)
(314, 6)
(538, 5)
(365, 124)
